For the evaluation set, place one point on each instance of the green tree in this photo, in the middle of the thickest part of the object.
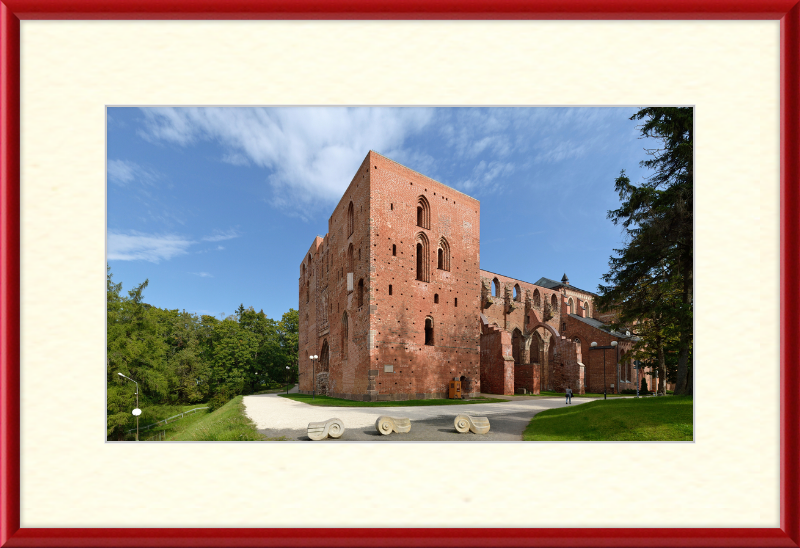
(136, 348)
(289, 333)
(650, 279)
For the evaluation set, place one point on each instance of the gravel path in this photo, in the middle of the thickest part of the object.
(277, 417)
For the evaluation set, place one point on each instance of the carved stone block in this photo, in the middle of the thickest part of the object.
(321, 430)
(476, 425)
(386, 425)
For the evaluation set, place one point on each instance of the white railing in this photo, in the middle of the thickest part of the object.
(165, 421)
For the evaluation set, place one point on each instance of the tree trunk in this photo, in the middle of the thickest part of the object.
(662, 368)
(681, 385)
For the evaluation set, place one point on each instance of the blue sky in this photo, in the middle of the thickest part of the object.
(216, 206)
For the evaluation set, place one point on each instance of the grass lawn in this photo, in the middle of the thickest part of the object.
(668, 418)
(153, 413)
(587, 395)
(228, 423)
(325, 401)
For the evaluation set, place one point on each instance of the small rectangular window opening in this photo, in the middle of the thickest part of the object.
(456, 303)
(394, 250)
(390, 289)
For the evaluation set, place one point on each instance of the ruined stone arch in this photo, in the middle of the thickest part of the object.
(517, 345)
(495, 288)
(443, 255)
(423, 213)
(552, 330)
(554, 304)
(423, 262)
(517, 293)
(350, 220)
(537, 299)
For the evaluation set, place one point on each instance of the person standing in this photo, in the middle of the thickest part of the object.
(569, 395)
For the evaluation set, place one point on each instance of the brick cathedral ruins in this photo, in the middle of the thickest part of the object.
(395, 304)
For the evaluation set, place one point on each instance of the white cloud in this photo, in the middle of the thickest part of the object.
(136, 246)
(122, 172)
(219, 236)
(311, 153)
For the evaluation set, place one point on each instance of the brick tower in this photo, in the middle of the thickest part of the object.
(390, 297)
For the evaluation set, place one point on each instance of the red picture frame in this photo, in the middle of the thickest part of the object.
(12, 11)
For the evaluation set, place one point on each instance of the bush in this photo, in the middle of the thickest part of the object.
(219, 399)
(644, 386)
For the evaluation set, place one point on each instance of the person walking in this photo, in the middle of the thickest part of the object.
(569, 396)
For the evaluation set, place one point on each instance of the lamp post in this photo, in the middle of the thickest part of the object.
(636, 364)
(313, 376)
(604, 348)
(287, 380)
(137, 411)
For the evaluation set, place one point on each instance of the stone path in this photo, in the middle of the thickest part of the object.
(277, 417)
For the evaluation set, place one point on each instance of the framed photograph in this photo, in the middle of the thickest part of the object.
(64, 63)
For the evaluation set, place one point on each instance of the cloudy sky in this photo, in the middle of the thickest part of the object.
(216, 206)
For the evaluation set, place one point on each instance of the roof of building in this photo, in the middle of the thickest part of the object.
(600, 325)
(552, 284)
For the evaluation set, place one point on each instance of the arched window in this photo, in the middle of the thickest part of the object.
(350, 261)
(361, 292)
(350, 220)
(394, 250)
(537, 299)
(571, 306)
(586, 307)
(423, 274)
(495, 288)
(423, 213)
(443, 255)
(554, 304)
(304, 270)
(429, 331)
(345, 339)
(517, 293)
(436, 298)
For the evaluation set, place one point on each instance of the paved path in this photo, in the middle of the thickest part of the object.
(276, 417)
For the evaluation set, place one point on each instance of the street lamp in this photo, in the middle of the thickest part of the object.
(287, 380)
(313, 376)
(604, 348)
(637, 367)
(136, 412)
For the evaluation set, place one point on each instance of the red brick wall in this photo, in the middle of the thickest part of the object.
(321, 314)
(398, 320)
